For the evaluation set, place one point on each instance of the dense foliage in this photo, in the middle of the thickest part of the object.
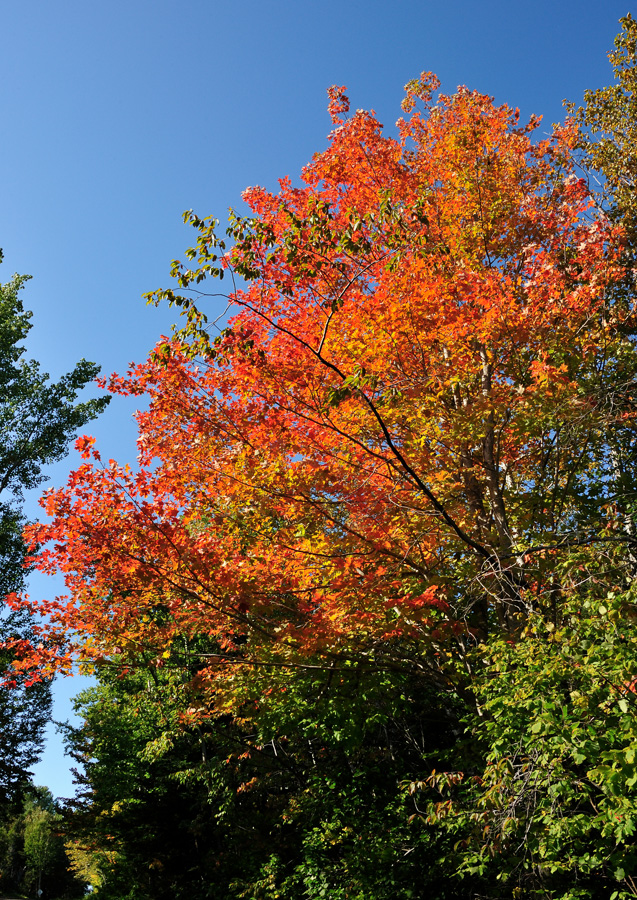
(364, 619)
(302, 800)
(32, 852)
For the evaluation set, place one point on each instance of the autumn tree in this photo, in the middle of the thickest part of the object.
(410, 445)
(397, 432)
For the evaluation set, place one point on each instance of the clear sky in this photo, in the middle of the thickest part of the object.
(118, 116)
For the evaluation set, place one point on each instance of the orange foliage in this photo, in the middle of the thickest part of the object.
(360, 456)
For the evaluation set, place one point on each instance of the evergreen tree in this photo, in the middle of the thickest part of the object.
(37, 420)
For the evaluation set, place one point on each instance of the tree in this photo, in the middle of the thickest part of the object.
(539, 799)
(32, 855)
(391, 432)
(414, 434)
(38, 845)
(609, 132)
(547, 803)
(293, 800)
(37, 420)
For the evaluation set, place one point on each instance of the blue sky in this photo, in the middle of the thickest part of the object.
(118, 116)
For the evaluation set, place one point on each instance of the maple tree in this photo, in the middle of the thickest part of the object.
(407, 460)
(395, 432)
